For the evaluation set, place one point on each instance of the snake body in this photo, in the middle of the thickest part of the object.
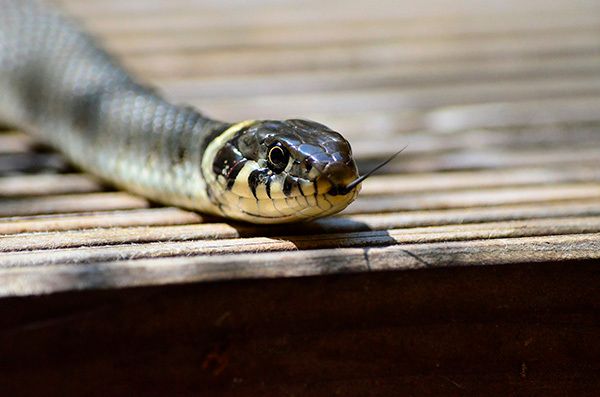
(59, 85)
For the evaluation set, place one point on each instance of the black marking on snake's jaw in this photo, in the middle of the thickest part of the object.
(288, 183)
(268, 186)
(233, 173)
(228, 162)
(210, 130)
(300, 188)
(255, 178)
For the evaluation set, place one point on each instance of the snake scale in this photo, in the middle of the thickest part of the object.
(59, 85)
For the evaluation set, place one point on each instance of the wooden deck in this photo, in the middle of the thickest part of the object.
(499, 104)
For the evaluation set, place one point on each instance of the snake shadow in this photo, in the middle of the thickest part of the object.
(326, 233)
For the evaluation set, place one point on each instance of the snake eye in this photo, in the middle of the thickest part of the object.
(278, 158)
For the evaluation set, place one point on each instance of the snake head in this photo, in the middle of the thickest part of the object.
(280, 171)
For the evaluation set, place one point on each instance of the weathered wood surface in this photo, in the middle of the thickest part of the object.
(499, 103)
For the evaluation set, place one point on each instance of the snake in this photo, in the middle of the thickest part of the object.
(58, 84)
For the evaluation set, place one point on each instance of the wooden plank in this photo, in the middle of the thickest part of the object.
(348, 223)
(31, 162)
(273, 60)
(499, 331)
(157, 38)
(524, 112)
(392, 99)
(371, 237)
(420, 10)
(472, 158)
(14, 142)
(403, 75)
(21, 278)
(70, 203)
(199, 241)
(47, 184)
(474, 198)
(105, 219)
(571, 208)
(149, 19)
(555, 117)
(432, 146)
(452, 180)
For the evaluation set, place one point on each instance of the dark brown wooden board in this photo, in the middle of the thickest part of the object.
(518, 329)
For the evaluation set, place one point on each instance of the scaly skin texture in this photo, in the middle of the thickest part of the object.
(57, 84)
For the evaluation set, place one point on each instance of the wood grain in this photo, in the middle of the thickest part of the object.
(46, 184)
(70, 203)
(91, 220)
(31, 280)
(175, 238)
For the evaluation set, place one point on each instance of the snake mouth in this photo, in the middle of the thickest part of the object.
(290, 209)
(341, 190)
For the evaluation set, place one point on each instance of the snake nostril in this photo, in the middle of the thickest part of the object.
(340, 174)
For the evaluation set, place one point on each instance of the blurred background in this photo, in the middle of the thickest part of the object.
(431, 74)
